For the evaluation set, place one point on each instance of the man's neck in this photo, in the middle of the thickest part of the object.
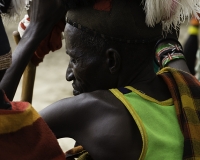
(146, 80)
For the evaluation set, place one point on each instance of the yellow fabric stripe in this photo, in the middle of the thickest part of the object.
(137, 119)
(13, 122)
(192, 30)
(190, 112)
(167, 102)
(184, 90)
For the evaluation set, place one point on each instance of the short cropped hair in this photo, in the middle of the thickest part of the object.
(139, 54)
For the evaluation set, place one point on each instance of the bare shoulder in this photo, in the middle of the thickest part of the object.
(111, 126)
(101, 98)
(98, 121)
(83, 108)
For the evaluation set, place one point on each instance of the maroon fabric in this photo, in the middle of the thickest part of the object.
(34, 142)
(103, 5)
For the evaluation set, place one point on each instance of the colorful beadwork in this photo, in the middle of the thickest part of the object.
(168, 52)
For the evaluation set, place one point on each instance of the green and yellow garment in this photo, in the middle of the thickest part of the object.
(170, 129)
(179, 136)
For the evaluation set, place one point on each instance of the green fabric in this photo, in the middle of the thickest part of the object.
(165, 140)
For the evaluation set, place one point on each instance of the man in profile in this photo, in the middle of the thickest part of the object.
(121, 108)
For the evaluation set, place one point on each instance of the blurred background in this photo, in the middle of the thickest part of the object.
(50, 83)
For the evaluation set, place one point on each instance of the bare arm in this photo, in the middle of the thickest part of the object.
(97, 121)
(179, 64)
(44, 14)
(173, 47)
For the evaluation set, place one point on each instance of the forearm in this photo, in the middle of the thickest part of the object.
(43, 17)
(179, 64)
(5, 50)
(20, 58)
(169, 53)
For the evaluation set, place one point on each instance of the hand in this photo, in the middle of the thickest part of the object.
(3, 103)
(44, 14)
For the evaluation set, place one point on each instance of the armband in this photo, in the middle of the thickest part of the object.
(167, 52)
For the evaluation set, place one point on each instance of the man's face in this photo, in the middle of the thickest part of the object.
(87, 70)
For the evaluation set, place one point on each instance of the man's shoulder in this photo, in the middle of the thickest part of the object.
(96, 97)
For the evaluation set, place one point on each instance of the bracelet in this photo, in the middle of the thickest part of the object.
(168, 52)
(171, 57)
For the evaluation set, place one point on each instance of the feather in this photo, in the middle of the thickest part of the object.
(170, 12)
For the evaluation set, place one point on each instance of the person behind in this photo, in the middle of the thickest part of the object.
(121, 108)
(191, 44)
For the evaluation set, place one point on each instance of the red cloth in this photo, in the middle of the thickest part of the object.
(103, 5)
(52, 42)
(25, 136)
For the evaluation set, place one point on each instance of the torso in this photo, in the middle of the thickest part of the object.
(157, 122)
(103, 125)
(115, 135)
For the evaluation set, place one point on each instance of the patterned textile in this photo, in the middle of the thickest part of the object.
(25, 136)
(185, 91)
(5, 51)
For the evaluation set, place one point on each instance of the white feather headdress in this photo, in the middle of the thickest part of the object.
(170, 12)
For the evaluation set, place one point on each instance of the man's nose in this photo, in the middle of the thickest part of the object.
(69, 73)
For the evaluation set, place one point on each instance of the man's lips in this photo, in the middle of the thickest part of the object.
(75, 92)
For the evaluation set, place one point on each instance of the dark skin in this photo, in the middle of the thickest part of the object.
(177, 63)
(94, 117)
(103, 125)
(44, 15)
(43, 12)
(2, 72)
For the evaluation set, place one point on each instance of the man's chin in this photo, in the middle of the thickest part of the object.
(75, 92)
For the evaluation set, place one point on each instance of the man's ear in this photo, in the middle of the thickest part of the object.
(113, 60)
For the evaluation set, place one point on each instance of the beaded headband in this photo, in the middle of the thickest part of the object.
(105, 37)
